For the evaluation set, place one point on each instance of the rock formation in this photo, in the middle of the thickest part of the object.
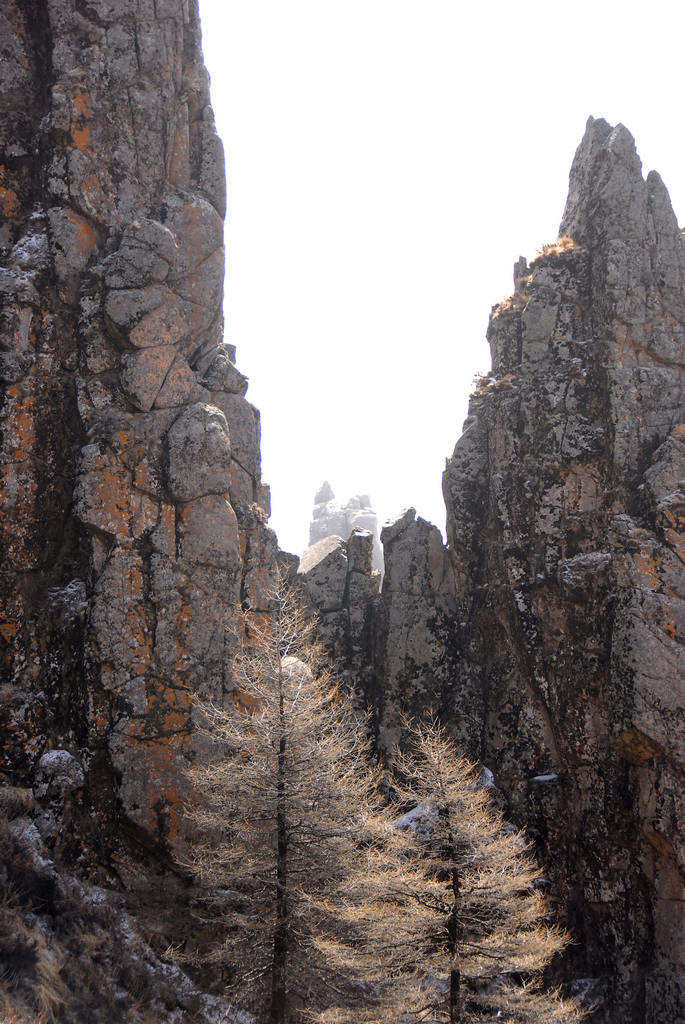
(548, 633)
(134, 516)
(134, 512)
(555, 649)
(342, 587)
(330, 518)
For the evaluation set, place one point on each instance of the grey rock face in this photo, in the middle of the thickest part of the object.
(549, 635)
(199, 453)
(414, 669)
(209, 533)
(324, 569)
(564, 510)
(332, 519)
(130, 458)
(390, 644)
(144, 256)
(342, 586)
(57, 772)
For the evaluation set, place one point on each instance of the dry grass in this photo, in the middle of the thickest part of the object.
(482, 382)
(52, 993)
(15, 800)
(563, 244)
(516, 300)
(521, 294)
(14, 1016)
(32, 982)
(63, 958)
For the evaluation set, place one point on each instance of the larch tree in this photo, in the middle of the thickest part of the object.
(444, 921)
(281, 805)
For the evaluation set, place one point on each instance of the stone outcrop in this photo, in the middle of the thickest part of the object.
(413, 660)
(331, 518)
(341, 585)
(556, 649)
(549, 633)
(134, 517)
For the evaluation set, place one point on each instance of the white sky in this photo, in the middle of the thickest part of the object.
(387, 162)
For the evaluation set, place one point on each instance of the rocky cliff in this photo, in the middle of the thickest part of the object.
(331, 518)
(550, 632)
(134, 515)
(133, 508)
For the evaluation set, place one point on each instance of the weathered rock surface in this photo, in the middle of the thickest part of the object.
(564, 507)
(134, 517)
(342, 586)
(549, 634)
(414, 668)
(330, 518)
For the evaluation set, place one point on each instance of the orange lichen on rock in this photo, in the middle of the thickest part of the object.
(637, 748)
(169, 709)
(97, 199)
(121, 627)
(84, 233)
(140, 647)
(9, 202)
(180, 157)
(144, 476)
(183, 628)
(8, 630)
(106, 500)
(675, 539)
(154, 785)
(649, 568)
(80, 129)
(10, 627)
(669, 625)
(18, 484)
(20, 431)
(99, 720)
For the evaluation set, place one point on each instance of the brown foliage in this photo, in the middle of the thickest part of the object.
(279, 813)
(67, 952)
(324, 901)
(562, 244)
(443, 921)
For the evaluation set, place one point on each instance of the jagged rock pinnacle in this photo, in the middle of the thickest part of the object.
(331, 518)
(324, 493)
(608, 197)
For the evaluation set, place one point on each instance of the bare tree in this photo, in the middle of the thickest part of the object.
(328, 904)
(280, 809)
(444, 920)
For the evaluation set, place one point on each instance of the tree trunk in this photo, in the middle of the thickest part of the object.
(281, 933)
(455, 996)
(454, 929)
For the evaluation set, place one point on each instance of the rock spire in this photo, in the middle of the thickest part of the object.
(550, 633)
(565, 513)
(331, 518)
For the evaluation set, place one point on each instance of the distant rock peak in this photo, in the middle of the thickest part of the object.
(331, 518)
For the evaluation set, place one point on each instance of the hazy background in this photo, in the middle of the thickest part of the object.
(387, 162)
